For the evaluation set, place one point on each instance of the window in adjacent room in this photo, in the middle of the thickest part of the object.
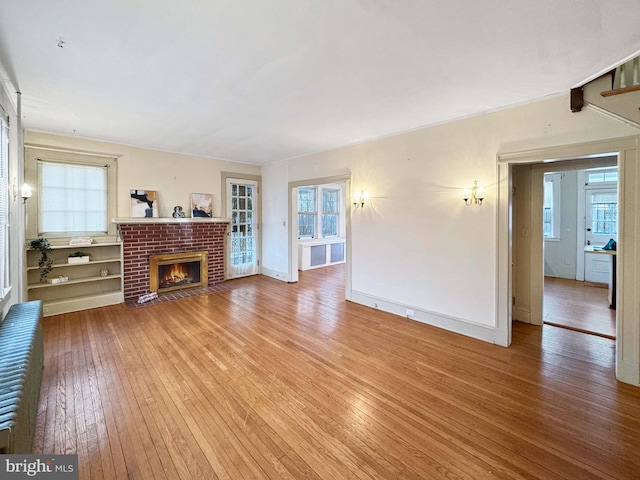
(551, 214)
(602, 185)
(307, 212)
(602, 175)
(604, 214)
(330, 211)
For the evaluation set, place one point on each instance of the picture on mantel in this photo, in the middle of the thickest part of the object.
(201, 205)
(144, 203)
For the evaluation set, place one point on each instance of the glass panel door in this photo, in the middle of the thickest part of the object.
(601, 209)
(242, 208)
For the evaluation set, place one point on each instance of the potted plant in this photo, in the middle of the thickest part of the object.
(78, 257)
(45, 262)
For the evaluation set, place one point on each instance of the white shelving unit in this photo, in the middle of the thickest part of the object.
(86, 287)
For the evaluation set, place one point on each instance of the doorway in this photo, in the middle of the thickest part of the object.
(579, 217)
(344, 184)
(509, 264)
(243, 239)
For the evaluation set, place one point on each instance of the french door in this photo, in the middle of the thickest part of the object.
(242, 209)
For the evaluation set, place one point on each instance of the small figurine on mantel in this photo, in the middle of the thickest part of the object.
(177, 212)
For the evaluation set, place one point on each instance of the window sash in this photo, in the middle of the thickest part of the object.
(307, 211)
(329, 225)
(551, 212)
(73, 198)
(330, 211)
(307, 200)
(306, 225)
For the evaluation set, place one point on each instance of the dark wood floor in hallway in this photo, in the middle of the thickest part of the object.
(276, 381)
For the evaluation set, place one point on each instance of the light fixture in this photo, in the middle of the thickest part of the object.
(25, 192)
(359, 199)
(475, 195)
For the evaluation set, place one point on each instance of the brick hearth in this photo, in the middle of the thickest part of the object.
(141, 240)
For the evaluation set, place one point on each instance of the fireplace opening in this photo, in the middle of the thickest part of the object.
(178, 274)
(177, 271)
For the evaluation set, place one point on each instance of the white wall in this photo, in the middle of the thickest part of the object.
(416, 244)
(275, 220)
(174, 176)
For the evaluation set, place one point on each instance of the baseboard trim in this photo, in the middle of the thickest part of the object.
(452, 324)
(522, 315)
(628, 372)
(267, 272)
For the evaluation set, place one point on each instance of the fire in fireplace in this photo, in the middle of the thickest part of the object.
(178, 274)
(177, 270)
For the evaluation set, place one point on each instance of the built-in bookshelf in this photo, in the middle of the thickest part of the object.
(77, 286)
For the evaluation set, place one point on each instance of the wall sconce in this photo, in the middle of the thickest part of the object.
(25, 192)
(475, 195)
(359, 199)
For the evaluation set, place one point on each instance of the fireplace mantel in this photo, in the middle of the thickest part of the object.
(147, 220)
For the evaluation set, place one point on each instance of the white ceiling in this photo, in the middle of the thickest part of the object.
(263, 80)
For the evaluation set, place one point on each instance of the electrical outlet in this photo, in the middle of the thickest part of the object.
(567, 261)
(410, 313)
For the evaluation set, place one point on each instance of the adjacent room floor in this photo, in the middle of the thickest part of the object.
(578, 306)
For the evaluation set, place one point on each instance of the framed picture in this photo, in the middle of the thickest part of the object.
(144, 203)
(201, 205)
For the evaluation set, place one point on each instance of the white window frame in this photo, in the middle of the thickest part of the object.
(553, 182)
(335, 213)
(312, 214)
(319, 213)
(4, 206)
(60, 192)
(34, 154)
(606, 175)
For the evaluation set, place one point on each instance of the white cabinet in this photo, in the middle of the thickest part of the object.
(94, 283)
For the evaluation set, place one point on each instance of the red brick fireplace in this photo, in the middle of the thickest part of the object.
(143, 238)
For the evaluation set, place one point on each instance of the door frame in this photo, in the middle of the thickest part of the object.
(253, 178)
(628, 285)
(293, 225)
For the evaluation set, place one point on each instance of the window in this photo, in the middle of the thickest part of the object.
(4, 205)
(319, 211)
(330, 211)
(551, 214)
(73, 198)
(307, 212)
(602, 199)
(601, 175)
(604, 215)
(74, 193)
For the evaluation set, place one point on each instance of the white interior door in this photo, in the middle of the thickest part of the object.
(601, 225)
(242, 209)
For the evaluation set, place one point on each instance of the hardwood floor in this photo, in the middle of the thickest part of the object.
(579, 306)
(278, 381)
